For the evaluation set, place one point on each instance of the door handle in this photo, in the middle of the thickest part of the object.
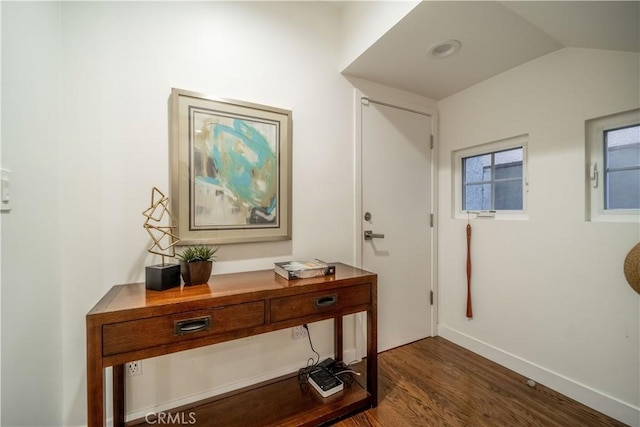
(368, 235)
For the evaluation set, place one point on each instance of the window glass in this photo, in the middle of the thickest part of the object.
(477, 168)
(623, 190)
(477, 197)
(622, 158)
(508, 195)
(493, 181)
(509, 164)
(623, 147)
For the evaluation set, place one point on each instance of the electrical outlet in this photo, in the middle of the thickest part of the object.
(299, 332)
(134, 368)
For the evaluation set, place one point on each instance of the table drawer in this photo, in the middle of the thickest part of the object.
(135, 335)
(286, 308)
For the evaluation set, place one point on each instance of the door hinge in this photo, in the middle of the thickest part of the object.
(431, 141)
(431, 220)
(431, 297)
(364, 101)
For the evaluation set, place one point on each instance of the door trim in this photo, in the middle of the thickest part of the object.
(391, 99)
(365, 99)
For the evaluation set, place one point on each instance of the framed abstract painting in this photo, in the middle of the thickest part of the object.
(230, 164)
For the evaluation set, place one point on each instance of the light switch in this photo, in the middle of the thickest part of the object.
(5, 190)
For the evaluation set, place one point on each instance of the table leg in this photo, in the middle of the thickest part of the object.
(95, 377)
(118, 395)
(338, 338)
(372, 346)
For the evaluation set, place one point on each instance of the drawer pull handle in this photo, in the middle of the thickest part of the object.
(327, 301)
(189, 326)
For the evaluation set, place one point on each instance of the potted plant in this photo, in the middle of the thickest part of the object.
(196, 263)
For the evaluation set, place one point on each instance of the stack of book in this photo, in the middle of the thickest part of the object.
(303, 269)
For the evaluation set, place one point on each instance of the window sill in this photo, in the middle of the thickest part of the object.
(620, 218)
(499, 215)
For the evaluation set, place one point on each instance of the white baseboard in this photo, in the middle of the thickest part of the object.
(608, 405)
(348, 355)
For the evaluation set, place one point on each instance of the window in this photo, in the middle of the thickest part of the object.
(491, 177)
(493, 181)
(613, 184)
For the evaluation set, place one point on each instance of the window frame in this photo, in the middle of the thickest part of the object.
(484, 149)
(595, 167)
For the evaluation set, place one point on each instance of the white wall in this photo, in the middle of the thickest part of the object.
(364, 22)
(32, 350)
(118, 63)
(0, 214)
(549, 294)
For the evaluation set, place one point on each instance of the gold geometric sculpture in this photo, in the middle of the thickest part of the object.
(164, 240)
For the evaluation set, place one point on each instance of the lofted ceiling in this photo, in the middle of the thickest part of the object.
(494, 36)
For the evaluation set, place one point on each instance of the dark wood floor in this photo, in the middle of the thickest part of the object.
(434, 382)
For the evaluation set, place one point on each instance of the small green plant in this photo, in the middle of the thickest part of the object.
(198, 253)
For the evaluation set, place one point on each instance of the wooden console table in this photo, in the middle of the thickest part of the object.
(132, 323)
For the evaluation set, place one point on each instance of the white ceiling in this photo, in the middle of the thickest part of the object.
(495, 37)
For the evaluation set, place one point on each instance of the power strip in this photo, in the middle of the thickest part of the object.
(325, 382)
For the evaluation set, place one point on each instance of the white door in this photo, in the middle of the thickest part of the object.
(396, 203)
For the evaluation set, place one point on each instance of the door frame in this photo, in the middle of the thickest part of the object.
(403, 100)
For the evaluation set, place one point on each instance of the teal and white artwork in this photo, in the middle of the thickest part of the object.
(234, 171)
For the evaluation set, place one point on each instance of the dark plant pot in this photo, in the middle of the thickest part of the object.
(196, 273)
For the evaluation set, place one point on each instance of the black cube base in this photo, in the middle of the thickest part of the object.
(162, 276)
